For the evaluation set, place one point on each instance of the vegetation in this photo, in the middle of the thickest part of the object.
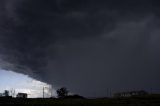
(62, 92)
(135, 98)
(6, 93)
(149, 100)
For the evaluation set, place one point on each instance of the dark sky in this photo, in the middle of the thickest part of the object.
(88, 46)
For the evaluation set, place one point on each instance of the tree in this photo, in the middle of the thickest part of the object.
(12, 92)
(6, 93)
(1, 94)
(62, 92)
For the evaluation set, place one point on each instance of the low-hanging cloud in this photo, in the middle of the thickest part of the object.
(87, 46)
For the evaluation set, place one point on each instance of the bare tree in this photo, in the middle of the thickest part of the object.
(12, 92)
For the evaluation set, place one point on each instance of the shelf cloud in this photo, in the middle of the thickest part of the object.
(88, 46)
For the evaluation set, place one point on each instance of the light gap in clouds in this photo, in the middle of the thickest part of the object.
(22, 83)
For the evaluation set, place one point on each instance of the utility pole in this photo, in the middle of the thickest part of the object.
(51, 91)
(43, 91)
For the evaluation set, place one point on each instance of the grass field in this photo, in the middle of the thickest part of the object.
(150, 100)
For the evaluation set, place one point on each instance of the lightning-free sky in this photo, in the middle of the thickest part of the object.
(19, 83)
(91, 47)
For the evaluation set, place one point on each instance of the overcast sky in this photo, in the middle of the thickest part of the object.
(88, 46)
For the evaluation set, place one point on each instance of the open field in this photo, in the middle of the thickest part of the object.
(150, 100)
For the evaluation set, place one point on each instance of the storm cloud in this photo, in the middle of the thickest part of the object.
(88, 46)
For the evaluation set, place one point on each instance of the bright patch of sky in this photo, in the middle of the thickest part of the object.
(24, 84)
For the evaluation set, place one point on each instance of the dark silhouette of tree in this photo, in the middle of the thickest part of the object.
(62, 92)
(1, 94)
(75, 96)
(6, 93)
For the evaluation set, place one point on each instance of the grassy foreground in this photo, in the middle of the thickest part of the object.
(150, 100)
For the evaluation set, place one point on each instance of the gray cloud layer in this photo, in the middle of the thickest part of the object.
(86, 45)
